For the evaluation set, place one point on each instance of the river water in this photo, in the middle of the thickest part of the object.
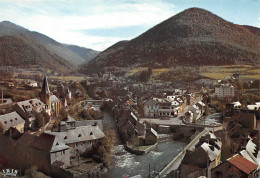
(211, 119)
(125, 163)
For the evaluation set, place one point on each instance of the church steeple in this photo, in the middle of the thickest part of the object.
(45, 87)
(45, 93)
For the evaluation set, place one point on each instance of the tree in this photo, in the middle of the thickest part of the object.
(106, 144)
(150, 71)
(90, 114)
(42, 118)
(255, 84)
(1, 128)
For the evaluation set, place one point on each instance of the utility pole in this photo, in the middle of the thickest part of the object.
(149, 172)
(154, 170)
(2, 95)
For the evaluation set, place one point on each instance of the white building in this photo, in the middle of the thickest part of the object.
(32, 84)
(151, 108)
(155, 107)
(224, 90)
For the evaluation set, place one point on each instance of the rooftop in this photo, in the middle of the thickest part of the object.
(11, 119)
(242, 163)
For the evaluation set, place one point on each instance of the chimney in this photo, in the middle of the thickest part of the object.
(10, 132)
(95, 123)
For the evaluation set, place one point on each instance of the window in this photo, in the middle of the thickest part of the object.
(91, 133)
(5, 122)
(79, 135)
(16, 119)
(63, 151)
(57, 143)
(11, 120)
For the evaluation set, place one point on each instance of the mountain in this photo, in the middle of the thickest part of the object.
(85, 53)
(193, 37)
(8, 28)
(19, 51)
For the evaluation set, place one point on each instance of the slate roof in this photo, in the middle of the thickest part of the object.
(154, 132)
(54, 99)
(80, 134)
(45, 86)
(10, 120)
(68, 118)
(45, 142)
(211, 153)
(89, 122)
(151, 102)
(134, 116)
(28, 105)
(242, 163)
(251, 153)
(57, 164)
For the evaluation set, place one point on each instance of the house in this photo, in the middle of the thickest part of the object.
(64, 92)
(224, 90)
(255, 106)
(203, 158)
(32, 84)
(26, 109)
(246, 119)
(129, 124)
(82, 139)
(151, 108)
(165, 107)
(251, 152)
(12, 119)
(236, 166)
(151, 136)
(193, 113)
(68, 123)
(22, 151)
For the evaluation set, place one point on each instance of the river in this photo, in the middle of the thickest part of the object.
(125, 163)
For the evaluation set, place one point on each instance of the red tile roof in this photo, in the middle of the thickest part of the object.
(242, 164)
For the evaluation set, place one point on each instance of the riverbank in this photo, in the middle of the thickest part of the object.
(140, 150)
(125, 163)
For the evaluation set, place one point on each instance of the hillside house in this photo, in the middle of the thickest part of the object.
(32, 84)
(64, 92)
(224, 90)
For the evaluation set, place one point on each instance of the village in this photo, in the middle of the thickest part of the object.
(65, 125)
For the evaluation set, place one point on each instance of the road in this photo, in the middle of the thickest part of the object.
(175, 163)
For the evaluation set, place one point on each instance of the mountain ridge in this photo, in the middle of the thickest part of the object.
(192, 37)
(8, 29)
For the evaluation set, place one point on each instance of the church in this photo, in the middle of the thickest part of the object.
(51, 101)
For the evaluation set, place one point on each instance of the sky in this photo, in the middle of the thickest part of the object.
(98, 24)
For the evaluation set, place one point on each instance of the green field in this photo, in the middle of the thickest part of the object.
(68, 78)
(221, 72)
